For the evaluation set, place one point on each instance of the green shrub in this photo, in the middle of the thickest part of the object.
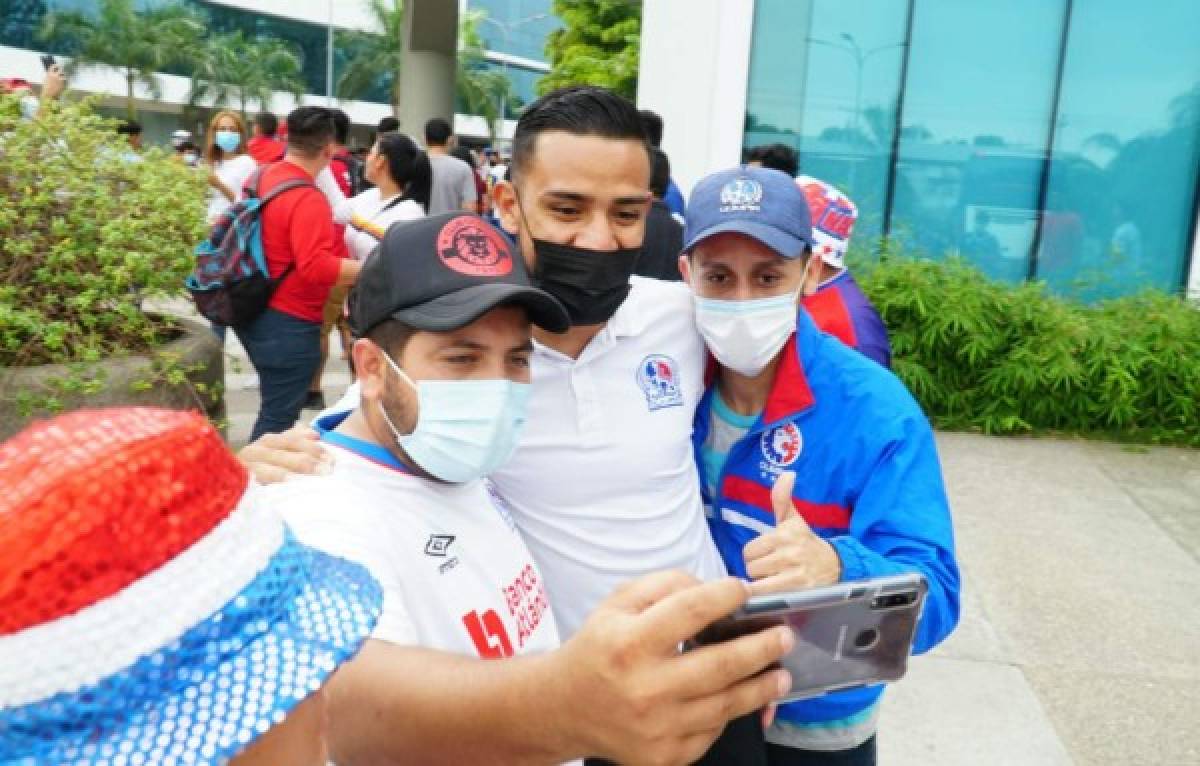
(85, 235)
(985, 355)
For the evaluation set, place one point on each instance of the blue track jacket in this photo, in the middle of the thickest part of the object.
(867, 479)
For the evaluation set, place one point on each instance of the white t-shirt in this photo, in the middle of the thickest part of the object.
(455, 573)
(382, 212)
(233, 172)
(603, 484)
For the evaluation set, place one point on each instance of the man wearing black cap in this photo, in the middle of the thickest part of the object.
(443, 312)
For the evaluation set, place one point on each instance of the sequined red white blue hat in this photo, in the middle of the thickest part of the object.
(833, 217)
(151, 612)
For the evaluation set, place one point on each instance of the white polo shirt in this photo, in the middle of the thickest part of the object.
(603, 484)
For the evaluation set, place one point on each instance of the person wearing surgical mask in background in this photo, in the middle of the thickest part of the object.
(816, 464)
(229, 167)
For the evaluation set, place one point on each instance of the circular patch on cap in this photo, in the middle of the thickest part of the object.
(741, 194)
(474, 248)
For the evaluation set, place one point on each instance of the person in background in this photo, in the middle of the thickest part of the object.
(229, 167)
(453, 179)
(387, 124)
(832, 296)
(284, 342)
(179, 138)
(132, 131)
(263, 146)
(400, 179)
(482, 200)
(346, 171)
(31, 104)
(652, 123)
(664, 233)
(201, 632)
(779, 157)
(789, 401)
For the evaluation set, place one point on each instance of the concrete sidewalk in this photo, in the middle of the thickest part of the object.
(1080, 636)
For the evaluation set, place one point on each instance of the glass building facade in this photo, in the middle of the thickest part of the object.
(1048, 139)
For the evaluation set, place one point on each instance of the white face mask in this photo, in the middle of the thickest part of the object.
(466, 429)
(746, 335)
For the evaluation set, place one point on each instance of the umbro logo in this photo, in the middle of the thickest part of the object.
(438, 545)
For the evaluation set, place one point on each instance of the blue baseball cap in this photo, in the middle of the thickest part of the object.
(758, 202)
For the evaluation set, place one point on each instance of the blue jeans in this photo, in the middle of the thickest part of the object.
(285, 352)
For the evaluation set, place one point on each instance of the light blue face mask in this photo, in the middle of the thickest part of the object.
(465, 428)
(228, 140)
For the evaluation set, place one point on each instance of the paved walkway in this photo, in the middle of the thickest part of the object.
(1080, 637)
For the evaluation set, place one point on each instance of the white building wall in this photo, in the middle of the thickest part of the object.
(694, 68)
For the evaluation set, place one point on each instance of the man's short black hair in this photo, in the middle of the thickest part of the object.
(438, 132)
(341, 126)
(267, 123)
(582, 110)
(776, 157)
(129, 128)
(652, 123)
(310, 129)
(391, 336)
(388, 125)
(660, 172)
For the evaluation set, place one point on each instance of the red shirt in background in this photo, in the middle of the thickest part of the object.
(297, 232)
(265, 149)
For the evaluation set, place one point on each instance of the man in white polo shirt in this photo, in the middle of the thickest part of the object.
(603, 484)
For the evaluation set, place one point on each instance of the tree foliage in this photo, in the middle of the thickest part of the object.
(376, 55)
(233, 69)
(999, 358)
(85, 234)
(597, 45)
(483, 91)
(139, 43)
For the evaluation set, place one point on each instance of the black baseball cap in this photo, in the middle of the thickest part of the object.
(443, 272)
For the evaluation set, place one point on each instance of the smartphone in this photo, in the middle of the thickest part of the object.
(48, 61)
(848, 635)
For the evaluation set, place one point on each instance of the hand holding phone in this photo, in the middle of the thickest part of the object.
(847, 635)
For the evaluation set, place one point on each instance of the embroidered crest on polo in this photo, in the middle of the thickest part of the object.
(474, 248)
(781, 445)
(741, 195)
(658, 376)
(150, 610)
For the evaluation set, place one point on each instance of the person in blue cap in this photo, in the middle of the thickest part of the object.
(817, 466)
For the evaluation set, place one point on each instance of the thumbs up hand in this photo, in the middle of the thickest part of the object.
(792, 556)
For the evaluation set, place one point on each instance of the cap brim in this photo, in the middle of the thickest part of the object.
(782, 243)
(462, 307)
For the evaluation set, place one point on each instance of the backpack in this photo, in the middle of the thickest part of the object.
(231, 284)
(354, 172)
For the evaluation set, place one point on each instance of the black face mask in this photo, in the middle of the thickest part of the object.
(590, 284)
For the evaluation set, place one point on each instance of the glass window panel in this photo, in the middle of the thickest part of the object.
(977, 107)
(517, 27)
(1121, 197)
(824, 79)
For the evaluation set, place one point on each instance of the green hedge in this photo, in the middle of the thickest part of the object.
(999, 358)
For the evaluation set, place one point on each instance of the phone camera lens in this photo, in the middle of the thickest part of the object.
(866, 639)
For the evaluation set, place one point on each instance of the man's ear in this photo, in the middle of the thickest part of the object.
(685, 268)
(504, 194)
(368, 367)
